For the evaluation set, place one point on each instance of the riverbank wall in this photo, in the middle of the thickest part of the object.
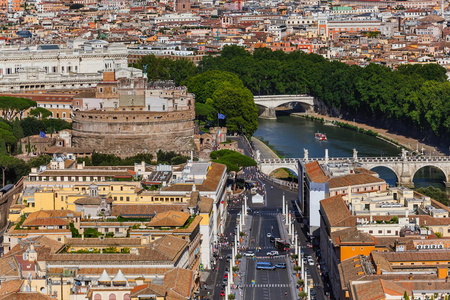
(383, 134)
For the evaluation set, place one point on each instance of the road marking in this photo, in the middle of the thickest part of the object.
(266, 285)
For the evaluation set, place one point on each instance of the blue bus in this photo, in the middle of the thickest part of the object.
(264, 266)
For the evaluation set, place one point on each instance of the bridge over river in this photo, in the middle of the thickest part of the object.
(270, 103)
(404, 167)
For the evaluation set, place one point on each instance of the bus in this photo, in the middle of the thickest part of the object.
(264, 266)
(283, 246)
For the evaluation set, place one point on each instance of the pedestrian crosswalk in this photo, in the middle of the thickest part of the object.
(262, 285)
(266, 285)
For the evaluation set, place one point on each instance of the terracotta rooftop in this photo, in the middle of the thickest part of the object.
(145, 209)
(91, 200)
(353, 179)
(10, 286)
(315, 172)
(352, 236)
(169, 218)
(205, 204)
(179, 283)
(335, 209)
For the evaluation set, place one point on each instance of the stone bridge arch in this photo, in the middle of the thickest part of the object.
(394, 170)
(270, 103)
(446, 172)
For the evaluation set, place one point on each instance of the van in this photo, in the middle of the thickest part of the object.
(265, 266)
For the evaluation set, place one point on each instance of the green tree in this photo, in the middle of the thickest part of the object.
(6, 162)
(205, 84)
(232, 159)
(41, 160)
(204, 111)
(237, 104)
(12, 107)
(435, 194)
(405, 296)
(40, 113)
(302, 295)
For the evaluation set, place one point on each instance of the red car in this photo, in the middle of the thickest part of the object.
(225, 276)
(222, 294)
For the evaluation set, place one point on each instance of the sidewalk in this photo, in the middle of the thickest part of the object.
(240, 279)
(284, 234)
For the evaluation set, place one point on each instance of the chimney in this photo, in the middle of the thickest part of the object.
(378, 269)
(326, 156)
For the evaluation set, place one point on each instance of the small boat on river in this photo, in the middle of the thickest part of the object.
(321, 136)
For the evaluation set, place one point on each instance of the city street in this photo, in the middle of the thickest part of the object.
(264, 284)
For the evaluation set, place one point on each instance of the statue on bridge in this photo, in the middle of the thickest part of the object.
(355, 155)
(404, 152)
(305, 154)
(258, 155)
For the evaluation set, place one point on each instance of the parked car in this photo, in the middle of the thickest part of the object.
(249, 254)
(228, 257)
(222, 294)
(272, 253)
(310, 261)
(281, 266)
(225, 276)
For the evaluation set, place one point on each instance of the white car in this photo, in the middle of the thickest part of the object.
(269, 235)
(310, 261)
(272, 253)
(249, 253)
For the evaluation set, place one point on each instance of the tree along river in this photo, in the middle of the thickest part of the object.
(289, 135)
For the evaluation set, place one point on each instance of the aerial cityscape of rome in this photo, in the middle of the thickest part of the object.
(232, 149)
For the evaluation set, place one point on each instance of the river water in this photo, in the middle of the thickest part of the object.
(289, 135)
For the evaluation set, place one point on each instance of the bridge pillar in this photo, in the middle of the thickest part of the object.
(406, 181)
(268, 113)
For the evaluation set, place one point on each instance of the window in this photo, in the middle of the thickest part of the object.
(380, 231)
(370, 231)
(121, 198)
(388, 231)
(121, 188)
(100, 90)
(128, 199)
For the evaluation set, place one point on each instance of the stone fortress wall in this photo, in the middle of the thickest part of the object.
(127, 132)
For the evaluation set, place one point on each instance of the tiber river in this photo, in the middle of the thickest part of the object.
(290, 135)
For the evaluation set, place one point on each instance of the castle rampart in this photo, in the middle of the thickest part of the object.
(129, 132)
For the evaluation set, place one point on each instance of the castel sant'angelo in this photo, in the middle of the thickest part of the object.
(125, 117)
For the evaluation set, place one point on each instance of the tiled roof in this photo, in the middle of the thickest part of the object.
(352, 236)
(169, 219)
(369, 291)
(45, 222)
(335, 209)
(158, 290)
(429, 255)
(10, 286)
(315, 172)
(353, 179)
(179, 283)
(205, 204)
(145, 209)
(91, 201)
(26, 296)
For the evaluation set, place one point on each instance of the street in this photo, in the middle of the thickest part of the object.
(264, 284)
